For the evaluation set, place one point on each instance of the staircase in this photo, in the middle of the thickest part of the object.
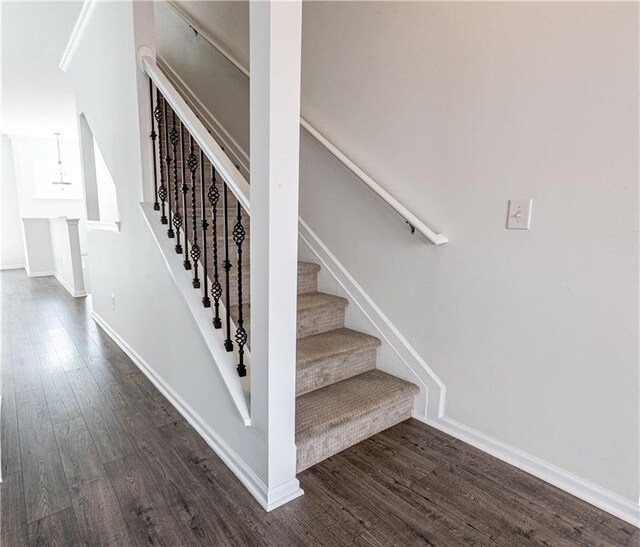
(341, 398)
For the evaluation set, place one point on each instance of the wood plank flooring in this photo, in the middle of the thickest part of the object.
(93, 454)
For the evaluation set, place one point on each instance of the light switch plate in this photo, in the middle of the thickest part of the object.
(519, 217)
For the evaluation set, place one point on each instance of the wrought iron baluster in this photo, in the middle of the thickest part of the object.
(206, 301)
(177, 217)
(154, 136)
(216, 289)
(228, 344)
(192, 163)
(185, 209)
(168, 161)
(158, 114)
(241, 333)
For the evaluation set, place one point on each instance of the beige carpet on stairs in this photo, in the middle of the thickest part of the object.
(341, 397)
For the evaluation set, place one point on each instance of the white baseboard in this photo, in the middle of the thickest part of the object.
(44, 273)
(415, 365)
(12, 267)
(268, 498)
(564, 480)
(75, 294)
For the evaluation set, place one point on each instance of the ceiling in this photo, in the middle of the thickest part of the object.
(37, 98)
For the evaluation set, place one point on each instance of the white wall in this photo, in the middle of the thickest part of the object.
(149, 312)
(456, 108)
(107, 198)
(11, 242)
(200, 66)
(37, 245)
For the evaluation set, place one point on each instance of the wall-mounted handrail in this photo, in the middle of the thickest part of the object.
(223, 164)
(414, 222)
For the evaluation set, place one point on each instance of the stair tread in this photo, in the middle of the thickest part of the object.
(318, 347)
(320, 411)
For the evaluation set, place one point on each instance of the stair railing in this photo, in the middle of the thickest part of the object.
(213, 194)
(410, 218)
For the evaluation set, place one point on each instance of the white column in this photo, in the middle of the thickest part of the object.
(275, 132)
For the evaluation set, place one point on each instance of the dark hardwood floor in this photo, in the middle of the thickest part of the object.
(93, 454)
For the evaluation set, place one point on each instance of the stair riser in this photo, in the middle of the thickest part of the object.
(307, 282)
(315, 450)
(335, 369)
(317, 320)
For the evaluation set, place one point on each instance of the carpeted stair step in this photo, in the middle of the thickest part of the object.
(307, 280)
(329, 357)
(317, 312)
(336, 417)
(307, 277)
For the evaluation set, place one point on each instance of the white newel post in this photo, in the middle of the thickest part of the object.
(275, 47)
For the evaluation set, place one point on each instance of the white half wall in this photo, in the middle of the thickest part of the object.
(53, 248)
(455, 108)
(65, 245)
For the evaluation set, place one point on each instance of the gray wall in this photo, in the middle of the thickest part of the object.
(456, 108)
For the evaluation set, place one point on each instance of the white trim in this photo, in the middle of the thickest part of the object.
(44, 273)
(269, 499)
(48, 273)
(12, 267)
(420, 370)
(564, 480)
(105, 226)
(225, 361)
(77, 33)
(75, 294)
(221, 134)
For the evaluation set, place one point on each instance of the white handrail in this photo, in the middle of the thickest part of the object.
(414, 222)
(222, 163)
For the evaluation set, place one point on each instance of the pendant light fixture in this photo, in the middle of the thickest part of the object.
(60, 172)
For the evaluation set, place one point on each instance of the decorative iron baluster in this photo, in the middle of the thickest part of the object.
(185, 209)
(228, 344)
(162, 191)
(206, 301)
(241, 334)
(168, 161)
(177, 217)
(216, 289)
(192, 163)
(154, 136)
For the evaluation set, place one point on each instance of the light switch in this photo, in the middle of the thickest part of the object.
(519, 214)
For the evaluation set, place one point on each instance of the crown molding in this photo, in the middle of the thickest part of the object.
(77, 33)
